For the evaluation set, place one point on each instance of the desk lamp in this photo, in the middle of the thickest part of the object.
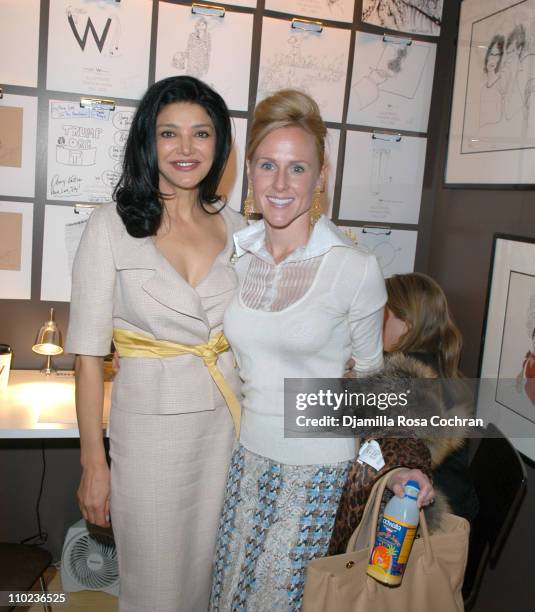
(48, 342)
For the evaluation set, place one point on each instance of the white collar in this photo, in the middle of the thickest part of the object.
(324, 237)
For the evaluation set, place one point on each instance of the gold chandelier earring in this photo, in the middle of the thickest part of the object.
(315, 209)
(248, 205)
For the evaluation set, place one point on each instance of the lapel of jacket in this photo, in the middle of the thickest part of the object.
(166, 286)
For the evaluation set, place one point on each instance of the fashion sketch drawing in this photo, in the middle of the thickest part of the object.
(294, 69)
(195, 59)
(500, 93)
(378, 241)
(381, 174)
(398, 71)
(416, 16)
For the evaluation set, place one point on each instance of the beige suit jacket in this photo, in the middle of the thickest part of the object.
(125, 282)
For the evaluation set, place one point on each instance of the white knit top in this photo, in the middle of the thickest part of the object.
(301, 318)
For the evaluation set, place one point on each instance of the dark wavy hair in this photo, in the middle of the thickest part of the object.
(138, 197)
(497, 41)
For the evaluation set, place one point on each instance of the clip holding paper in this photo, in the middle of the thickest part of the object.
(307, 25)
(209, 10)
(377, 230)
(78, 208)
(97, 102)
(388, 136)
(350, 233)
(397, 40)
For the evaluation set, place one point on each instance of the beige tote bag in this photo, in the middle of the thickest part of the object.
(433, 576)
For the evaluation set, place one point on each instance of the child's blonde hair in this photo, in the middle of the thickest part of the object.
(419, 301)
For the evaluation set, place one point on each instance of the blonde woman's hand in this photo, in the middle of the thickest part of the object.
(396, 483)
(348, 372)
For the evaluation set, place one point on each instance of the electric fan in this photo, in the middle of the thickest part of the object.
(89, 561)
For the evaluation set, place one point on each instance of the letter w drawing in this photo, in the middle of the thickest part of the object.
(89, 26)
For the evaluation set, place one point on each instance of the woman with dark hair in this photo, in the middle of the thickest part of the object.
(153, 272)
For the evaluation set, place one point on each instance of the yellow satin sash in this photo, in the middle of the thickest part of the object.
(134, 344)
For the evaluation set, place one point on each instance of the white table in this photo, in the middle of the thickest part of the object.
(39, 406)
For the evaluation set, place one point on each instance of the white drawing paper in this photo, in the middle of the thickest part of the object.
(413, 16)
(247, 3)
(19, 22)
(336, 10)
(20, 180)
(16, 284)
(395, 249)
(314, 62)
(99, 47)
(391, 83)
(383, 178)
(85, 150)
(231, 184)
(331, 163)
(214, 49)
(62, 233)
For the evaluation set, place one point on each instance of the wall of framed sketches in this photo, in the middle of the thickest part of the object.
(371, 69)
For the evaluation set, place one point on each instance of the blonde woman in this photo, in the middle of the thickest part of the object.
(308, 300)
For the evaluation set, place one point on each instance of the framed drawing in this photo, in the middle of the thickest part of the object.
(507, 368)
(492, 125)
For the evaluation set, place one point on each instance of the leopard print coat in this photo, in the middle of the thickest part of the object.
(414, 453)
(397, 452)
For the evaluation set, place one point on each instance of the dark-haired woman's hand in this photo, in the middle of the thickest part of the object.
(116, 362)
(94, 495)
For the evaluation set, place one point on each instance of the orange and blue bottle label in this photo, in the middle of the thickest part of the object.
(393, 545)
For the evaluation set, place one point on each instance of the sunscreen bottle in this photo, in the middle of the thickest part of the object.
(395, 535)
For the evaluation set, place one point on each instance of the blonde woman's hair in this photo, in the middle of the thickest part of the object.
(287, 108)
(420, 302)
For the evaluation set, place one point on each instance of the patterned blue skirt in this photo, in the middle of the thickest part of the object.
(275, 519)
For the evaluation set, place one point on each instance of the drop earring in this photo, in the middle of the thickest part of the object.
(315, 209)
(248, 205)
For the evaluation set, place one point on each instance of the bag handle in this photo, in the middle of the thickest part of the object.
(366, 530)
(360, 538)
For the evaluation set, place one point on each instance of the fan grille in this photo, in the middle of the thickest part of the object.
(93, 561)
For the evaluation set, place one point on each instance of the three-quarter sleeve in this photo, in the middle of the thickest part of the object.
(366, 319)
(93, 282)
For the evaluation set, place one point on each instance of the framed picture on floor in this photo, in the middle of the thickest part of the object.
(507, 371)
(492, 125)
